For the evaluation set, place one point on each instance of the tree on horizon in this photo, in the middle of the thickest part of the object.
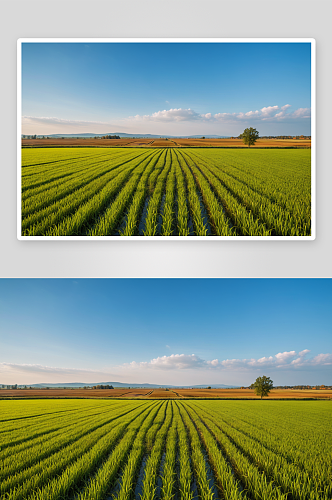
(249, 136)
(262, 386)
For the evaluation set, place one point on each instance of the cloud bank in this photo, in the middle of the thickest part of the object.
(180, 368)
(178, 116)
(53, 120)
(37, 370)
(282, 360)
(44, 125)
(289, 360)
(267, 113)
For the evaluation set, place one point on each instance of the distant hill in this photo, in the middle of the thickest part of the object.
(74, 385)
(134, 136)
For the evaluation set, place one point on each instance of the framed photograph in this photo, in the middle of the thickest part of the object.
(166, 138)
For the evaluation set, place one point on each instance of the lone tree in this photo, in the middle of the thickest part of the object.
(262, 386)
(249, 136)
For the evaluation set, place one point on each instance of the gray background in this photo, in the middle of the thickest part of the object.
(165, 18)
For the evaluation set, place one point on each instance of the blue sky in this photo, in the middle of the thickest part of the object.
(176, 331)
(166, 88)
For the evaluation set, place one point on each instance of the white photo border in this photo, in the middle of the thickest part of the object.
(312, 41)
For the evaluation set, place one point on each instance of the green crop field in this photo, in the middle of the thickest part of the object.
(165, 192)
(150, 450)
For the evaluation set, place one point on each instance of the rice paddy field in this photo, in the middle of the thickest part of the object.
(165, 449)
(165, 191)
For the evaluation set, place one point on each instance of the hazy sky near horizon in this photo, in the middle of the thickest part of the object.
(166, 331)
(166, 88)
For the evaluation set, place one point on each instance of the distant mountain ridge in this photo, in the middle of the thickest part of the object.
(134, 136)
(75, 385)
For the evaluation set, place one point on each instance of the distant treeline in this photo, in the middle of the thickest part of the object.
(118, 137)
(299, 137)
(46, 137)
(99, 387)
(298, 387)
(285, 137)
(109, 137)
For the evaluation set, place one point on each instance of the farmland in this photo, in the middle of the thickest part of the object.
(165, 191)
(163, 142)
(169, 393)
(165, 449)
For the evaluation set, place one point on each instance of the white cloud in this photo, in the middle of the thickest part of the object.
(265, 359)
(170, 115)
(267, 113)
(302, 113)
(7, 369)
(11, 373)
(281, 360)
(172, 362)
(53, 120)
(181, 116)
(282, 357)
(252, 113)
(269, 110)
(322, 360)
(47, 125)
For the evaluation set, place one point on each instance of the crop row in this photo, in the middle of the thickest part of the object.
(161, 450)
(166, 192)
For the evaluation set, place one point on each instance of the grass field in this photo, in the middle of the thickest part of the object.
(151, 450)
(165, 192)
